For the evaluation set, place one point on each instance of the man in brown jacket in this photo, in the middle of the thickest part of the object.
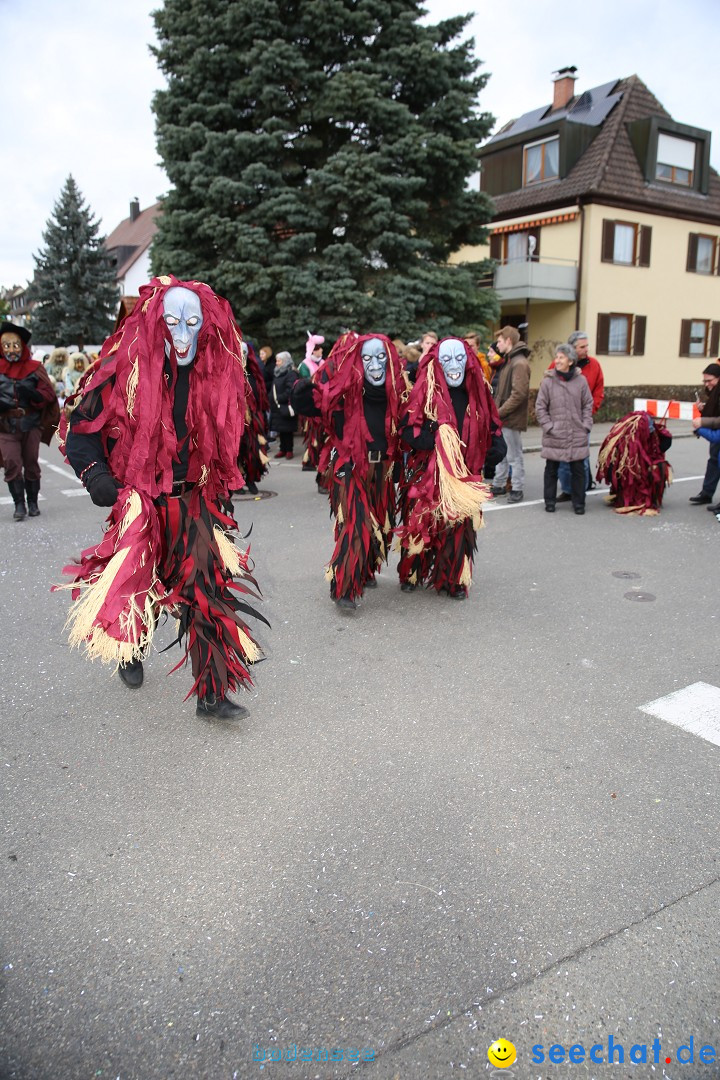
(511, 398)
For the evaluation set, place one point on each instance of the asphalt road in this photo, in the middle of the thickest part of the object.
(443, 823)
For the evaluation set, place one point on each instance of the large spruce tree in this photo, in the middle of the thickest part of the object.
(74, 284)
(319, 153)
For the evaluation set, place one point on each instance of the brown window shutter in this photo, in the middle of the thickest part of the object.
(645, 238)
(639, 335)
(692, 252)
(496, 247)
(602, 338)
(608, 241)
(685, 337)
(714, 338)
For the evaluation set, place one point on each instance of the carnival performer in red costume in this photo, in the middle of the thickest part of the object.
(358, 394)
(253, 459)
(154, 434)
(632, 461)
(454, 430)
(29, 414)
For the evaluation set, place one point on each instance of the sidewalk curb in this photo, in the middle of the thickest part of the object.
(599, 442)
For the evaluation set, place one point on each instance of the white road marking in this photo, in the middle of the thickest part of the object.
(5, 500)
(56, 468)
(696, 708)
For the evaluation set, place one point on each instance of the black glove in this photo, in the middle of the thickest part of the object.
(496, 453)
(7, 396)
(27, 391)
(102, 489)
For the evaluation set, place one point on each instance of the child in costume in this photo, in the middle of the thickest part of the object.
(632, 461)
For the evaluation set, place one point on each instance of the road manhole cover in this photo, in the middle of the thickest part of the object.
(248, 497)
(643, 597)
(625, 574)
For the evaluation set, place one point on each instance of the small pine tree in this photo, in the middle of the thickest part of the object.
(74, 285)
(319, 153)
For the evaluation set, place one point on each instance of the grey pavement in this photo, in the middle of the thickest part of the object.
(442, 824)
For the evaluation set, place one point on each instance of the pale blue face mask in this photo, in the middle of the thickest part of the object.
(183, 317)
(453, 360)
(374, 358)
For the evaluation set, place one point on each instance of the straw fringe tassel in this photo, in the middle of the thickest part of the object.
(83, 612)
(460, 497)
(232, 559)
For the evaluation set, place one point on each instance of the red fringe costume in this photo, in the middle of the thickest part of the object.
(442, 491)
(362, 491)
(166, 547)
(253, 459)
(632, 461)
(314, 438)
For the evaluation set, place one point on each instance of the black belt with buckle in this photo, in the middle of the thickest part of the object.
(375, 456)
(181, 487)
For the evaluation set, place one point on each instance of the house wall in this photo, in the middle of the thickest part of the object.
(137, 275)
(665, 292)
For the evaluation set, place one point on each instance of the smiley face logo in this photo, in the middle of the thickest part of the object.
(501, 1053)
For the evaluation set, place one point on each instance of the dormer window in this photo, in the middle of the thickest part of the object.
(541, 161)
(675, 160)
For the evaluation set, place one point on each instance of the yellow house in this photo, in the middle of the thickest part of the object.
(607, 219)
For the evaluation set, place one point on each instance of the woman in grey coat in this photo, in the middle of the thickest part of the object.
(564, 412)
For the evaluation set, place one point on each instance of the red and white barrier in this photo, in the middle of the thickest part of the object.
(671, 410)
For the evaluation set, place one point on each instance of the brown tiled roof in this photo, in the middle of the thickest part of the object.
(610, 171)
(133, 237)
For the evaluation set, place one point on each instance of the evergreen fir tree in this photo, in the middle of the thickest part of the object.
(319, 153)
(74, 283)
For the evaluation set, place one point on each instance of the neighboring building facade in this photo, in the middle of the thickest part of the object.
(129, 246)
(20, 309)
(607, 218)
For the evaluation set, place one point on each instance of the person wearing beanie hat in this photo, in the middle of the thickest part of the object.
(710, 410)
(29, 414)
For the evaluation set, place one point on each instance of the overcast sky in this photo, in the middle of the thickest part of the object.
(78, 79)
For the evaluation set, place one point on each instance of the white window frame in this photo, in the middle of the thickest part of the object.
(531, 146)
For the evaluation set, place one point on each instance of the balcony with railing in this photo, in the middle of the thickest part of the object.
(534, 278)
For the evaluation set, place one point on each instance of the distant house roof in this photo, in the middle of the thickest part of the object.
(591, 107)
(609, 168)
(132, 237)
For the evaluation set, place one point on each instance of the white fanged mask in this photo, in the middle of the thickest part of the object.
(374, 358)
(453, 360)
(183, 317)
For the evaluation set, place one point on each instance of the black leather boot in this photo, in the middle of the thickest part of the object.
(220, 709)
(32, 488)
(17, 490)
(132, 674)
